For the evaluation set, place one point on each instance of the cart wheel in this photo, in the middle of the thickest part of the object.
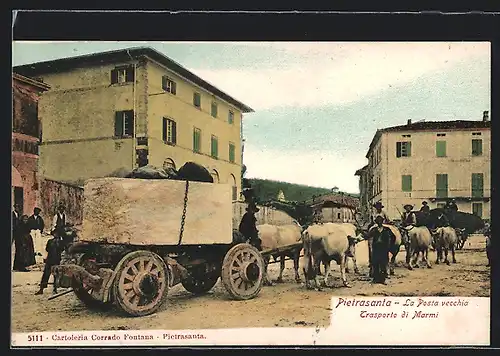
(242, 271)
(197, 285)
(84, 292)
(141, 283)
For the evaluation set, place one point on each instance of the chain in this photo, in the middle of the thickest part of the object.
(183, 219)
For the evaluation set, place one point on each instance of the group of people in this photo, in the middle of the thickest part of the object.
(25, 229)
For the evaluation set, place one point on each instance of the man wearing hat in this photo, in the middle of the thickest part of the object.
(37, 225)
(451, 205)
(425, 208)
(381, 241)
(380, 212)
(59, 221)
(248, 226)
(409, 217)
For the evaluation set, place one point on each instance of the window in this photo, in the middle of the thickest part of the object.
(214, 149)
(197, 100)
(403, 149)
(477, 147)
(168, 85)
(235, 188)
(230, 117)
(338, 216)
(476, 134)
(441, 135)
(477, 185)
(441, 186)
(196, 140)
(231, 152)
(440, 148)
(169, 131)
(406, 135)
(477, 209)
(122, 75)
(124, 123)
(214, 109)
(406, 183)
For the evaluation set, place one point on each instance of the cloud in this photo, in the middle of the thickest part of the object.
(337, 73)
(318, 169)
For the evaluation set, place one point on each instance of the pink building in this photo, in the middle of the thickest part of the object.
(26, 136)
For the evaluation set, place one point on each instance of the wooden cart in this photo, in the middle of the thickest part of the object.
(141, 237)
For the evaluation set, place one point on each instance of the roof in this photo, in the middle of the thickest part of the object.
(62, 64)
(30, 81)
(432, 126)
(359, 171)
(337, 198)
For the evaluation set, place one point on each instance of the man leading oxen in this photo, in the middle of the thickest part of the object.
(325, 243)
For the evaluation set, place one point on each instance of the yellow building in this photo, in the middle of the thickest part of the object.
(429, 161)
(124, 109)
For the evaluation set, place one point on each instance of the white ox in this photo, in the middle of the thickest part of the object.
(275, 236)
(445, 239)
(419, 240)
(324, 243)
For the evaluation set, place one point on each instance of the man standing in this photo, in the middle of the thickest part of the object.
(381, 237)
(15, 222)
(248, 226)
(59, 221)
(379, 212)
(37, 225)
(54, 249)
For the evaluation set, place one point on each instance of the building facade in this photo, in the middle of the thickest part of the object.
(430, 161)
(125, 109)
(26, 135)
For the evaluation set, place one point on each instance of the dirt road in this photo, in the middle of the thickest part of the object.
(283, 305)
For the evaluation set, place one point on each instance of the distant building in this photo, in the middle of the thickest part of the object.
(281, 196)
(26, 135)
(364, 196)
(432, 161)
(336, 207)
(119, 110)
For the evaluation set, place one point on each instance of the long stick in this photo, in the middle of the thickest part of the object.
(60, 294)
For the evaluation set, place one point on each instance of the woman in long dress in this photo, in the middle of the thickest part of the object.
(25, 250)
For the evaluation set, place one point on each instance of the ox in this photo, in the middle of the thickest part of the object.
(272, 237)
(445, 239)
(419, 240)
(324, 243)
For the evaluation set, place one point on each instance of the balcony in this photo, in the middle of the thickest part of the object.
(460, 199)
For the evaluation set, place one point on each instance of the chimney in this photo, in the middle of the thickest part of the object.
(486, 116)
(408, 122)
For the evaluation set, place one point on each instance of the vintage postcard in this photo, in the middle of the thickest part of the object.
(250, 193)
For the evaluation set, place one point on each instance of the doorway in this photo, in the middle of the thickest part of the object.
(19, 198)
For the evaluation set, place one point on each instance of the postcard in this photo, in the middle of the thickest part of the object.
(285, 193)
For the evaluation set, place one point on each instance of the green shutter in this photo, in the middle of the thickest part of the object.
(477, 185)
(398, 149)
(196, 140)
(408, 149)
(441, 185)
(406, 185)
(440, 148)
(231, 152)
(477, 147)
(119, 124)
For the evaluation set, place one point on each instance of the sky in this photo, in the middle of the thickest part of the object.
(318, 104)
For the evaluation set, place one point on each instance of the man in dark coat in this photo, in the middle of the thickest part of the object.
(451, 205)
(25, 252)
(36, 225)
(15, 221)
(409, 217)
(382, 239)
(425, 208)
(248, 226)
(54, 248)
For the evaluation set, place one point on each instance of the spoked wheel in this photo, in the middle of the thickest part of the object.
(200, 284)
(242, 271)
(83, 291)
(141, 283)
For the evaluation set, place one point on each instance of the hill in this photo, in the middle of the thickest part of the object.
(266, 190)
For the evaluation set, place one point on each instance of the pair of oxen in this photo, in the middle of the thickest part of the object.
(323, 243)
